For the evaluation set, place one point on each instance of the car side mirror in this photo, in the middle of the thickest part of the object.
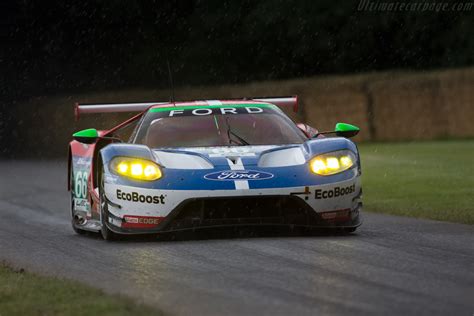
(86, 136)
(346, 130)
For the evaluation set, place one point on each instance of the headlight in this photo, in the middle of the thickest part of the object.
(135, 168)
(332, 163)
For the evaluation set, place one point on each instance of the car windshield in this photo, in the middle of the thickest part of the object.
(217, 126)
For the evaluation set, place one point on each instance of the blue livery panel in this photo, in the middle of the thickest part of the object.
(222, 176)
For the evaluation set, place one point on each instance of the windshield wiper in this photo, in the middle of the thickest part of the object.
(229, 132)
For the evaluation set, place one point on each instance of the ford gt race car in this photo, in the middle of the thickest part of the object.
(201, 164)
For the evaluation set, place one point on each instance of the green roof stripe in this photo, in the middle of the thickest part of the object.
(182, 108)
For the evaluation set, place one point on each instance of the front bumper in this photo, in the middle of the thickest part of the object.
(295, 207)
(201, 214)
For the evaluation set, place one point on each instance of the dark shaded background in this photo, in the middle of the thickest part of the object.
(68, 45)
(57, 47)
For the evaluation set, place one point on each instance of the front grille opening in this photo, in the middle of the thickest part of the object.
(260, 210)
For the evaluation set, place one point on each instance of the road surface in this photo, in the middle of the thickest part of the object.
(392, 265)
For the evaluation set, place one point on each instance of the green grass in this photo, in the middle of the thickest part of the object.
(23, 293)
(432, 180)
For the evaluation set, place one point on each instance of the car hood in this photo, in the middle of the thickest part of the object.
(211, 157)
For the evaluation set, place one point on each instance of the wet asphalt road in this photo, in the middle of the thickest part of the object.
(392, 265)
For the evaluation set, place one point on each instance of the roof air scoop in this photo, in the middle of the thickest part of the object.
(233, 159)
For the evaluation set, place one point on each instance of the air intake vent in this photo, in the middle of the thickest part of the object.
(233, 159)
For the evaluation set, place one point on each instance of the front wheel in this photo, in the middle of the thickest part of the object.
(106, 233)
(77, 230)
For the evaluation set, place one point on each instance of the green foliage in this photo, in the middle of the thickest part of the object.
(420, 179)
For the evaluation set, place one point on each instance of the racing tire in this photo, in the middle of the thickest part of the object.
(106, 233)
(76, 229)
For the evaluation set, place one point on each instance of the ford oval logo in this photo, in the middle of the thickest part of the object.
(232, 175)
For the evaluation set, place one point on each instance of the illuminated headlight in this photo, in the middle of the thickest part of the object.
(332, 163)
(135, 168)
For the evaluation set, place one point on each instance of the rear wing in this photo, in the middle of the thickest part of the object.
(282, 102)
(112, 108)
(79, 109)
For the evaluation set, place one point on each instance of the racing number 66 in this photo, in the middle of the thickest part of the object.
(80, 185)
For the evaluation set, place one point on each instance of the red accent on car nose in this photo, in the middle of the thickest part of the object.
(132, 221)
